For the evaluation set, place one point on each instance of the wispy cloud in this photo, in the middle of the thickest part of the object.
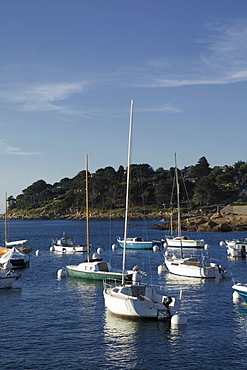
(223, 60)
(41, 97)
(7, 148)
(164, 108)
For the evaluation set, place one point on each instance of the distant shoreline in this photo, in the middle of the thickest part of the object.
(217, 222)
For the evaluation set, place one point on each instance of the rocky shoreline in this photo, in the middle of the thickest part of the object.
(82, 216)
(218, 222)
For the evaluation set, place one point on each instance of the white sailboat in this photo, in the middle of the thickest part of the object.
(93, 268)
(180, 240)
(196, 266)
(136, 299)
(20, 244)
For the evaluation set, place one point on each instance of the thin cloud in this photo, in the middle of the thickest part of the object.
(164, 108)
(42, 97)
(6, 148)
(223, 61)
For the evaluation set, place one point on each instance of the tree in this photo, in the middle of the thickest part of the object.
(200, 169)
(205, 191)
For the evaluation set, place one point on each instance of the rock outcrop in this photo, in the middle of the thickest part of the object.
(218, 222)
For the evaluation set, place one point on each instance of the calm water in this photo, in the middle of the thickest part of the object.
(62, 324)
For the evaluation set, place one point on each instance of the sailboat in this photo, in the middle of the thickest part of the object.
(197, 266)
(181, 240)
(93, 268)
(136, 299)
(19, 244)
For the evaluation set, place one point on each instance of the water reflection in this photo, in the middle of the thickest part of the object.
(183, 281)
(139, 343)
(84, 284)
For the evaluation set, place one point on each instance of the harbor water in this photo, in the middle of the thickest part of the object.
(61, 324)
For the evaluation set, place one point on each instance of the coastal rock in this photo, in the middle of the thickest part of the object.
(216, 223)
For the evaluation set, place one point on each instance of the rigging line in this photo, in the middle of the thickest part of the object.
(114, 199)
(185, 188)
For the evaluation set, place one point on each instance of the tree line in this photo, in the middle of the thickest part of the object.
(202, 185)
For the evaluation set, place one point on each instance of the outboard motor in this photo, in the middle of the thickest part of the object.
(243, 251)
(166, 302)
(136, 277)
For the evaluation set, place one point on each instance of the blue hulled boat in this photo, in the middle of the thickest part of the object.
(138, 243)
(241, 289)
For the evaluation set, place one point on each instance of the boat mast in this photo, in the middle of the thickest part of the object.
(178, 200)
(87, 212)
(6, 222)
(127, 189)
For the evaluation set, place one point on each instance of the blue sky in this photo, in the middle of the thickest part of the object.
(69, 68)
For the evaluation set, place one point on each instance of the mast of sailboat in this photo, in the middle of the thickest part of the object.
(6, 222)
(87, 212)
(178, 200)
(127, 189)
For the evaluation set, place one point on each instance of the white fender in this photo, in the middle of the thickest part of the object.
(178, 319)
(62, 273)
(162, 269)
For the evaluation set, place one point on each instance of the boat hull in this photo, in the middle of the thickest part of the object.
(74, 249)
(185, 243)
(241, 290)
(147, 306)
(18, 263)
(74, 272)
(66, 245)
(194, 270)
(138, 245)
(17, 259)
(7, 280)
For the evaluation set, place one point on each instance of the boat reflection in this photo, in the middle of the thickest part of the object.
(184, 282)
(125, 339)
(84, 285)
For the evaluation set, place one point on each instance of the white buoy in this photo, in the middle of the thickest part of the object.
(17, 284)
(206, 247)
(165, 245)
(236, 297)
(52, 249)
(7, 265)
(178, 319)
(38, 253)
(99, 250)
(62, 273)
(162, 269)
(114, 246)
(222, 243)
(155, 248)
(95, 256)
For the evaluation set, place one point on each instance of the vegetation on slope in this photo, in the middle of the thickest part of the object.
(150, 189)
